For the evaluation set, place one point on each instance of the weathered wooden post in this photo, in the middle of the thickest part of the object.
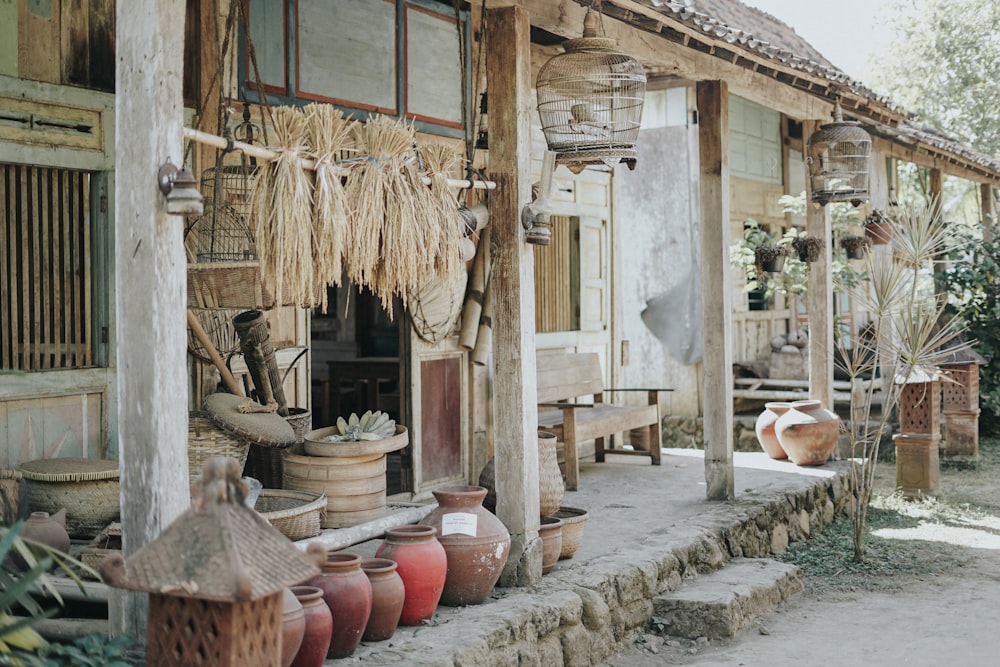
(150, 283)
(508, 71)
(819, 300)
(716, 286)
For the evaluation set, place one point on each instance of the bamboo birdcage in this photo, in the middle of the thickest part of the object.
(838, 159)
(590, 101)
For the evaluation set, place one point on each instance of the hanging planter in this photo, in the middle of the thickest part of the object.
(855, 246)
(769, 258)
(808, 247)
(878, 228)
(838, 159)
(590, 101)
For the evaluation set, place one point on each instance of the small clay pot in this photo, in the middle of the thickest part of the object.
(293, 626)
(318, 627)
(388, 594)
(764, 428)
(422, 565)
(550, 530)
(808, 432)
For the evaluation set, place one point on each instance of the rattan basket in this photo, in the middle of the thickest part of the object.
(574, 519)
(295, 513)
(109, 541)
(87, 488)
(205, 440)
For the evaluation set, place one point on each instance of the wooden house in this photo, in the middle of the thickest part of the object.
(94, 99)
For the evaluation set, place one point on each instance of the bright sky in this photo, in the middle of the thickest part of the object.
(847, 32)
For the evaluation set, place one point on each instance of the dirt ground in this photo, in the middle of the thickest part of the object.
(929, 596)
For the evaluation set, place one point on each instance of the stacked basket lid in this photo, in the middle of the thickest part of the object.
(351, 474)
(87, 488)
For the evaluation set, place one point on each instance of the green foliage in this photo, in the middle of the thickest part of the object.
(944, 64)
(973, 281)
(90, 651)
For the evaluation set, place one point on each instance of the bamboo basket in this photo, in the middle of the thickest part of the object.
(205, 440)
(574, 520)
(295, 513)
(354, 486)
(87, 488)
(108, 542)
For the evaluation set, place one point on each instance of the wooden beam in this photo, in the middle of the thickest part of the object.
(508, 69)
(819, 300)
(150, 284)
(716, 287)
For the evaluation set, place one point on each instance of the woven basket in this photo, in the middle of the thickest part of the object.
(87, 488)
(572, 531)
(295, 513)
(205, 440)
(108, 542)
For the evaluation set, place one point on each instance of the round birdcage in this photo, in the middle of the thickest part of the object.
(590, 101)
(838, 159)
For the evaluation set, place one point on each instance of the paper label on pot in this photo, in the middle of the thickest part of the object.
(459, 522)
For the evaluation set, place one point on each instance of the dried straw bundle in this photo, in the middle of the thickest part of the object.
(281, 216)
(329, 135)
(386, 248)
(440, 163)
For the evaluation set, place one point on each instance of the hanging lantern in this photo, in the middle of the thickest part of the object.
(838, 158)
(590, 101)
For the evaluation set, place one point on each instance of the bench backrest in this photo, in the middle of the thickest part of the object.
(567, 376)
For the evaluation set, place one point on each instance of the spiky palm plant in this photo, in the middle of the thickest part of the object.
(908, 337)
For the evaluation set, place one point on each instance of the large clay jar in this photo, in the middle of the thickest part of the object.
(808, 432)
(476, 542)
(293, 626)
(422, 565)
(764, 427)
(319, 626)
(48, 530)
(388, 594)
(550, 530)
(551, 487)
(349, 596)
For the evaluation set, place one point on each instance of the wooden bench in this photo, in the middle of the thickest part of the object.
(565, 378)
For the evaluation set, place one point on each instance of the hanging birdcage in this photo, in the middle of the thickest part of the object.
(838, 159)
(590, 101)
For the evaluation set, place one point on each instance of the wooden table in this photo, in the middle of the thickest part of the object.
(365, 373)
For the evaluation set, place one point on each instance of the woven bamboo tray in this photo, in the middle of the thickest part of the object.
(295, 513)
(205, 440)
(87, 488)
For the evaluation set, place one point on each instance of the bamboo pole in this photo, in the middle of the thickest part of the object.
(473, 307)
(484, 341)
(270, 155)
(213, 354)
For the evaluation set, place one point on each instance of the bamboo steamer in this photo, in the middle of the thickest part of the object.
(354, 486)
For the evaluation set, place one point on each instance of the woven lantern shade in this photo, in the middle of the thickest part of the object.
(838, 158)
(590, 101)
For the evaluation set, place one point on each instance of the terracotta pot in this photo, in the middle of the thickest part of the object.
(880, 233)
(764, 427)
(574, 519)
(388, 594)
(47, 529)
(293, 626)
(550, 530)
(808, 432)
(476, 543)
(551, 487)
(349, 596)
(319, 626)
(422, 565)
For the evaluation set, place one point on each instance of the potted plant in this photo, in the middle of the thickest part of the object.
(808, 247)
(855, 246)
(878, 227)
(769, 258)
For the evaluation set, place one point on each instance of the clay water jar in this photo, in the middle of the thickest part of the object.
(348, 594)
(764, 428)
(318, 627)
(808, 432)
(475, 542)
(47, 529)
(422, 565)
(388, 594)
(293, 626)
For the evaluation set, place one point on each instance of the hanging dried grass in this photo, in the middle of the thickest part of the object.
(383, 250)
(441, 162)
(281, 215)
(329, 135)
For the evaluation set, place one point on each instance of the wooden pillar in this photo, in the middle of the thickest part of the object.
(150, 284)
(515, 395)
(716, 287)
(819, 300)
(988, 210)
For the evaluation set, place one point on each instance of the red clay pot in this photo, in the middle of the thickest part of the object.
(550, 530)
(293, 626)
(808, 432)
(388, 594)
(349, 596)
(476, 542)
(319, 626)
(422, 565)
(764, 428)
